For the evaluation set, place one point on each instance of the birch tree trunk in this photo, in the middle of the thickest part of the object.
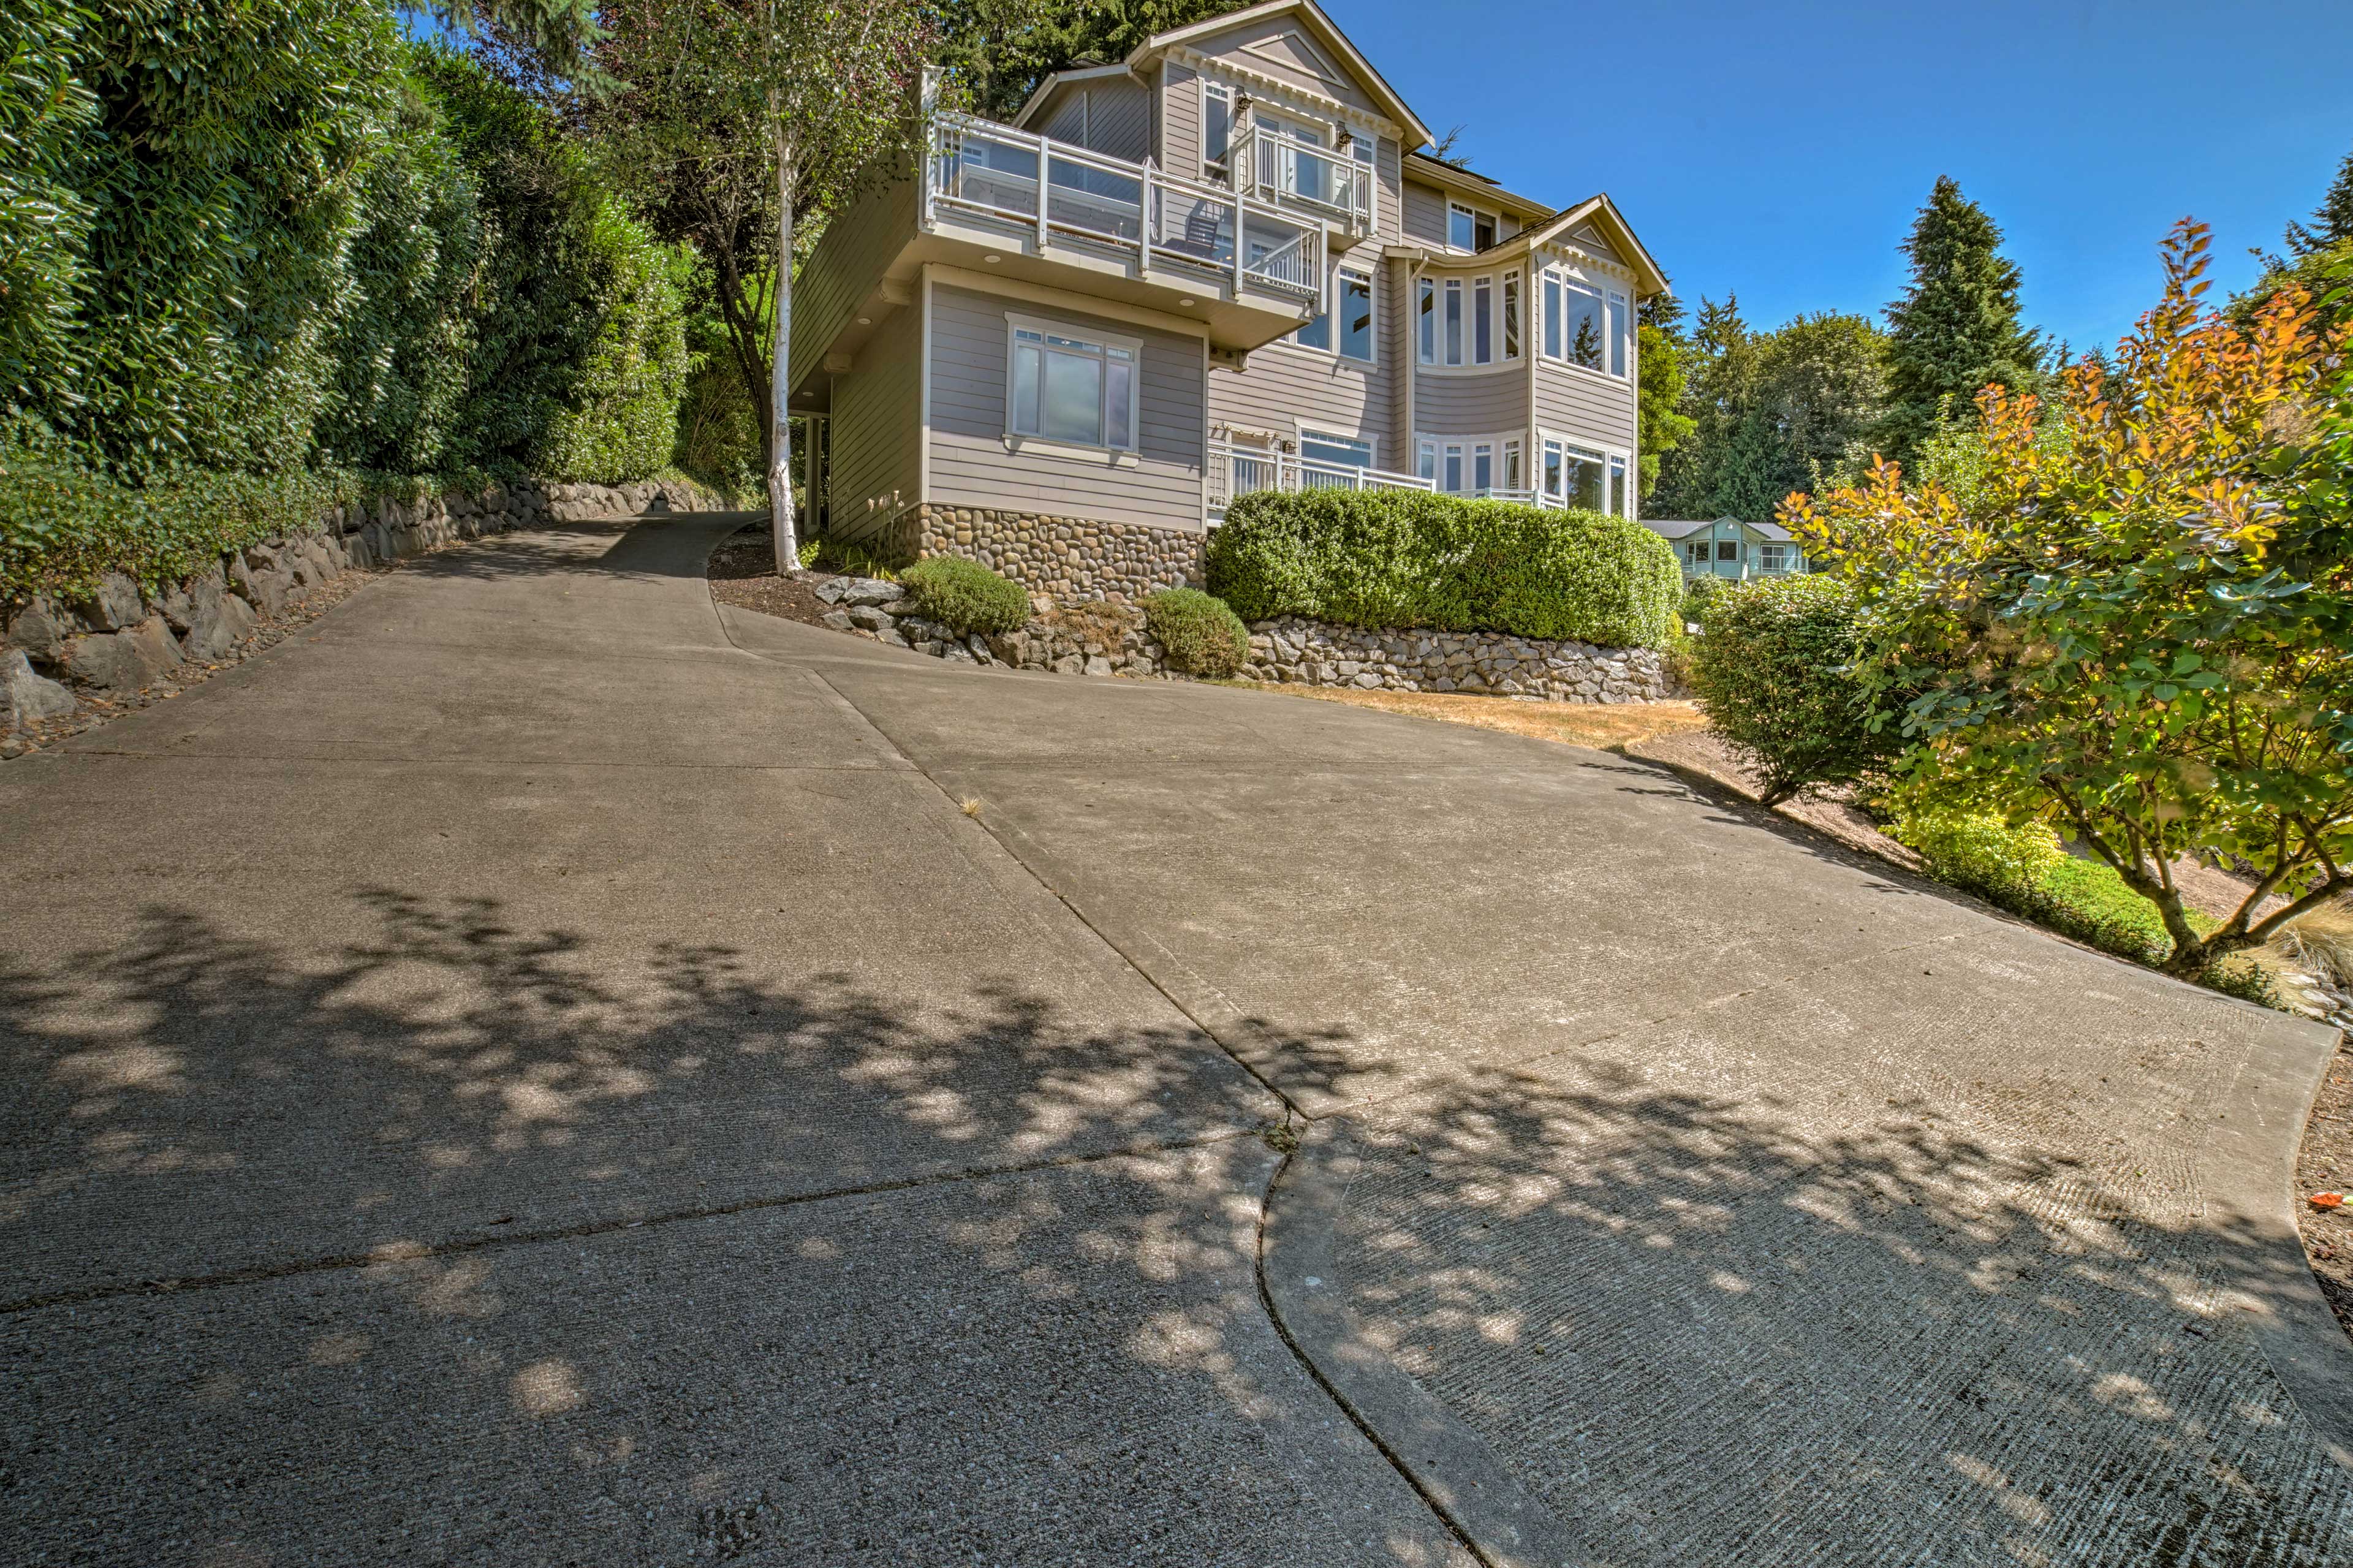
(782, 527)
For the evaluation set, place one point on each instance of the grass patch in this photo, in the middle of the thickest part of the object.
(1604, 726)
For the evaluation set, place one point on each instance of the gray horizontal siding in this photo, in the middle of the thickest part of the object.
(971, 467)
(1425, 213)
(1580, 404)
(875, 429)
(845, 267)
(1067, 121)
(1388, 194)
(1471, 404)
(1180, 121)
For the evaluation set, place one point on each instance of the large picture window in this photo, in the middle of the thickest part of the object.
(1069, 387)
(1585, 325)
(1573, 475)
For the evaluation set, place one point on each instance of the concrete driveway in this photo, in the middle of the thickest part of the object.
(540, 1069)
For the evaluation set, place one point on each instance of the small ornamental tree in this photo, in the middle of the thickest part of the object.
(826, 88)
(2142, 633)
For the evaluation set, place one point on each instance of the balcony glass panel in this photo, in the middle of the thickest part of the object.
(1082, 197)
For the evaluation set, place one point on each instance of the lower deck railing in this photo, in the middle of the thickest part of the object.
(1240, 470)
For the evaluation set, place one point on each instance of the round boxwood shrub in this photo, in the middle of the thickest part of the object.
(965, 595)
(1392, 560)
(1199, 633)
(1776, 669)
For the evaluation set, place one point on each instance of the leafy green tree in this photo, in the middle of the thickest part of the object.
(1661, 424)
(999, 50)
(2136, 634)
(2332, 220)
(1955, 331)
(826, 90)
(2319, 259)
(1771, 411)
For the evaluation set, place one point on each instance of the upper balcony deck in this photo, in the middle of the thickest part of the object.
(1028, 206)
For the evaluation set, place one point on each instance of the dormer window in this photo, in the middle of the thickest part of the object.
(1467, 228)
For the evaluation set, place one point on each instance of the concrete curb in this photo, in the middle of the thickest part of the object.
(1448, 1464)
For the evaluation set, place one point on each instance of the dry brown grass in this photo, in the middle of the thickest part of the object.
(1604, 726)
(2321, 945)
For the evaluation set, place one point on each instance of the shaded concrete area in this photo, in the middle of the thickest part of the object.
(539, 1069)
(1683, 1189)
(510, 1077)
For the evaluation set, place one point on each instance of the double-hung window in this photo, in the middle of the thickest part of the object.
(1068, 385)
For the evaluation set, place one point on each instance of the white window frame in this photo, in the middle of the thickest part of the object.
(1510, 300)
(1554, 285)
(1372, 354)
(1555, 444)
(1483, 321)
(1474, 214)
(1501, 450)
(1773, 557)
(1304, 432)
(1425, 319)
(1101, 341)
(1211, 167)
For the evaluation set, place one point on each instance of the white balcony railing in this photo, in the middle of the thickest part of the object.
(977, 165)
(1289, 171)
(1238, 470)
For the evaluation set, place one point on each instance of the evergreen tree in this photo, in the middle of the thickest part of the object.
(999, 50)
(1955, 331)
(2332, 220)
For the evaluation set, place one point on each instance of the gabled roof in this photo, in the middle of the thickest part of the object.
(1326, 33)
(1454, 176)
(1053, 80)
(1680, 527)
(1601, 211)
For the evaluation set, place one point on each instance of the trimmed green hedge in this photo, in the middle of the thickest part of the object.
(1200, 634)
(965, 595)
(1388, 560)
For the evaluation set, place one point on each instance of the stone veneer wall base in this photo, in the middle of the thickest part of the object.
(1061, 559)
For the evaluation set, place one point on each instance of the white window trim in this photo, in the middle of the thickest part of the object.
(1587, 447)
(1499, 443)
(1020, 441)
(1453, 207)
(1223, 90)
(1332, 293)
(1300, 428)
(1601, 290)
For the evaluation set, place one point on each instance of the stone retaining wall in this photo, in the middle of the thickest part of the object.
(1060, 558)
(1103, 637)
(595, 503)
(1312, 653)
(120, 638)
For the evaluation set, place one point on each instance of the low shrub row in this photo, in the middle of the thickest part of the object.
(2022, 868)
(1397, 560)
(1775, 663)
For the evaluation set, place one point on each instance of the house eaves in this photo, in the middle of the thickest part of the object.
(1602, 212)
(1436, 171)
(1326, 33)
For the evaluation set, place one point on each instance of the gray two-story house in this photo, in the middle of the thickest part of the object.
(1222, 265)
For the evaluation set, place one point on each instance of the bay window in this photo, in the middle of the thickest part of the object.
(1066, 387)
(1482, 336)
(1573, 475)
(1454, 320)
(1482, 467)
(1429, 316)
(1511, 315)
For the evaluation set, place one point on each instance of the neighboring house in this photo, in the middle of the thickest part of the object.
(1730, 548)
(1243, 276)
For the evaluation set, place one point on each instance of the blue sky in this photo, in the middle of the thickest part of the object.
(1781, 150)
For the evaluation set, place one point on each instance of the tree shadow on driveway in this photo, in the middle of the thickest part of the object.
(462, 1241)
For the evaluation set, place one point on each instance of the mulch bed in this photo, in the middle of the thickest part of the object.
(2325, 1165)
(743, 573)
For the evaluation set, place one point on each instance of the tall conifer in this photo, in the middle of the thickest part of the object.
(1955, 331)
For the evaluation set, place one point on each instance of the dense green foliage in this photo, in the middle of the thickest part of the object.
(1775, 667)
(996, 51)
(1955, 332)
(1662, 426)
(1401, 559)
(1768, 411)
(2136, 630)
(1198, 631)
(255, 246)
(966, 595)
